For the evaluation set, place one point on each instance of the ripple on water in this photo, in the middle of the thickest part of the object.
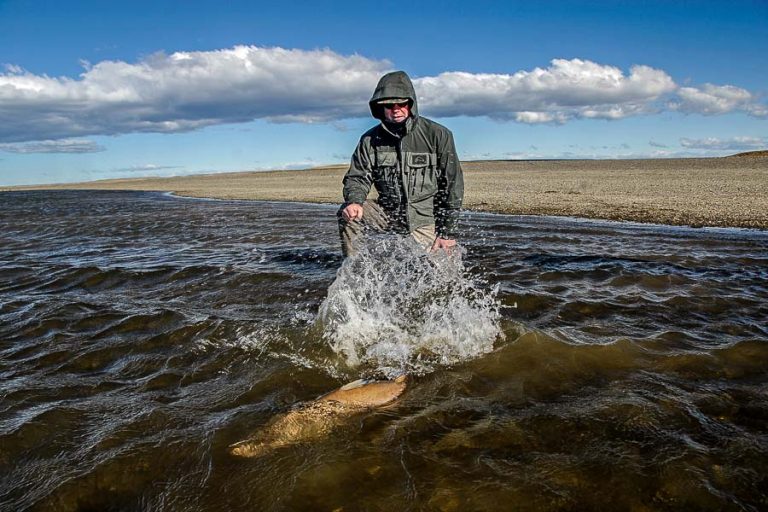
(583, 365)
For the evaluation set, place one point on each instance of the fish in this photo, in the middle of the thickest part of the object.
(316, 420)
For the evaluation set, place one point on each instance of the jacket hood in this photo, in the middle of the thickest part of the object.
(393, 85)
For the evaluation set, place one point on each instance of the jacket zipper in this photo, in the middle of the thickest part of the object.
(401, 164)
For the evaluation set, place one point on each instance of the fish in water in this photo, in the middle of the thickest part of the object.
(317, 419)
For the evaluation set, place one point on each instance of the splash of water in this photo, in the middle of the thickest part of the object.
(394, 309)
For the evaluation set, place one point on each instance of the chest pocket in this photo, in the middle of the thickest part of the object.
(421, 175)
(386, 178)
(386, 159)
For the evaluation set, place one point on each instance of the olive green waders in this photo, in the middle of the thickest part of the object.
(377, 221)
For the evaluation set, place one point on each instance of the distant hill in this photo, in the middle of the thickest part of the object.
(750, 154)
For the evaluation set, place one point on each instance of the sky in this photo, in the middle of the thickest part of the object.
(94, 90)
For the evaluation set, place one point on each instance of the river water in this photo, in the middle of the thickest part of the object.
(559, 365)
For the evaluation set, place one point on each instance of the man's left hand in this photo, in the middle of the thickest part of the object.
(445, 244)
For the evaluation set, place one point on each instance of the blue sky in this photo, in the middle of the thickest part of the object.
(93, 90)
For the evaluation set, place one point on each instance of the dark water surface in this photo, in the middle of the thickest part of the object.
(141, 334)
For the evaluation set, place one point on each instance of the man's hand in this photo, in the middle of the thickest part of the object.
(445, 244)
(353, 211)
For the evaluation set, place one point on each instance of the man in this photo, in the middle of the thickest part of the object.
(412, 162)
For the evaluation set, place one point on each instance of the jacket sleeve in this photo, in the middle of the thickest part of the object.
(450, 188)
(357, 181)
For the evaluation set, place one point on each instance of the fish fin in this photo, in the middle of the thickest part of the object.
(247, 449)
(354, 384)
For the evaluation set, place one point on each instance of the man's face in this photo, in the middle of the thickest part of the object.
(396, 112)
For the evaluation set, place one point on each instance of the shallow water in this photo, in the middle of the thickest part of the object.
(592, 365)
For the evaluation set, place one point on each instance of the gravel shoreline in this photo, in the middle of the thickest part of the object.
(725, 192)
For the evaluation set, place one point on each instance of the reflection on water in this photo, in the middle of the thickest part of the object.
(142, 334)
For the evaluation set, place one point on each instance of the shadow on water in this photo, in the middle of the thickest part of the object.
(581, 366)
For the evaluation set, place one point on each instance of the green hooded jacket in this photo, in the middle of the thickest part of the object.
(413, 165)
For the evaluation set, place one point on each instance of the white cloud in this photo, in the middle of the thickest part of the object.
(565, 90)
(306, 163)
(12, 68)
(53, 146)
(188, 90)
(734, 144)
(146, 168)
(715, 99)
(584, 153)
(528, 117)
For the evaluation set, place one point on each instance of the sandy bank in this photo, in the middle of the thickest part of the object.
(698, 192)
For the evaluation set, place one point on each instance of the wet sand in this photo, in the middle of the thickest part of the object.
(731, 191)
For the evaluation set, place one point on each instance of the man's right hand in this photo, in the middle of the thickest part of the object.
(353, 211)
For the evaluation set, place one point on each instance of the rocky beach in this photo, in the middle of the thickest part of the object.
(725, 192)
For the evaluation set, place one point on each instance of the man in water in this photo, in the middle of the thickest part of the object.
(412, 162)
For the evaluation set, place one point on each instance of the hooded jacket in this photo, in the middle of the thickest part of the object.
(413, 165)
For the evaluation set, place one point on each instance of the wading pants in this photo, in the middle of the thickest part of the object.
(375, 220)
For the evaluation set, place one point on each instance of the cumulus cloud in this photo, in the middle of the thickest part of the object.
(565, 90)
(713, 99)
(733, 144)
(188, 90)
(655, 144)
(53, 146)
